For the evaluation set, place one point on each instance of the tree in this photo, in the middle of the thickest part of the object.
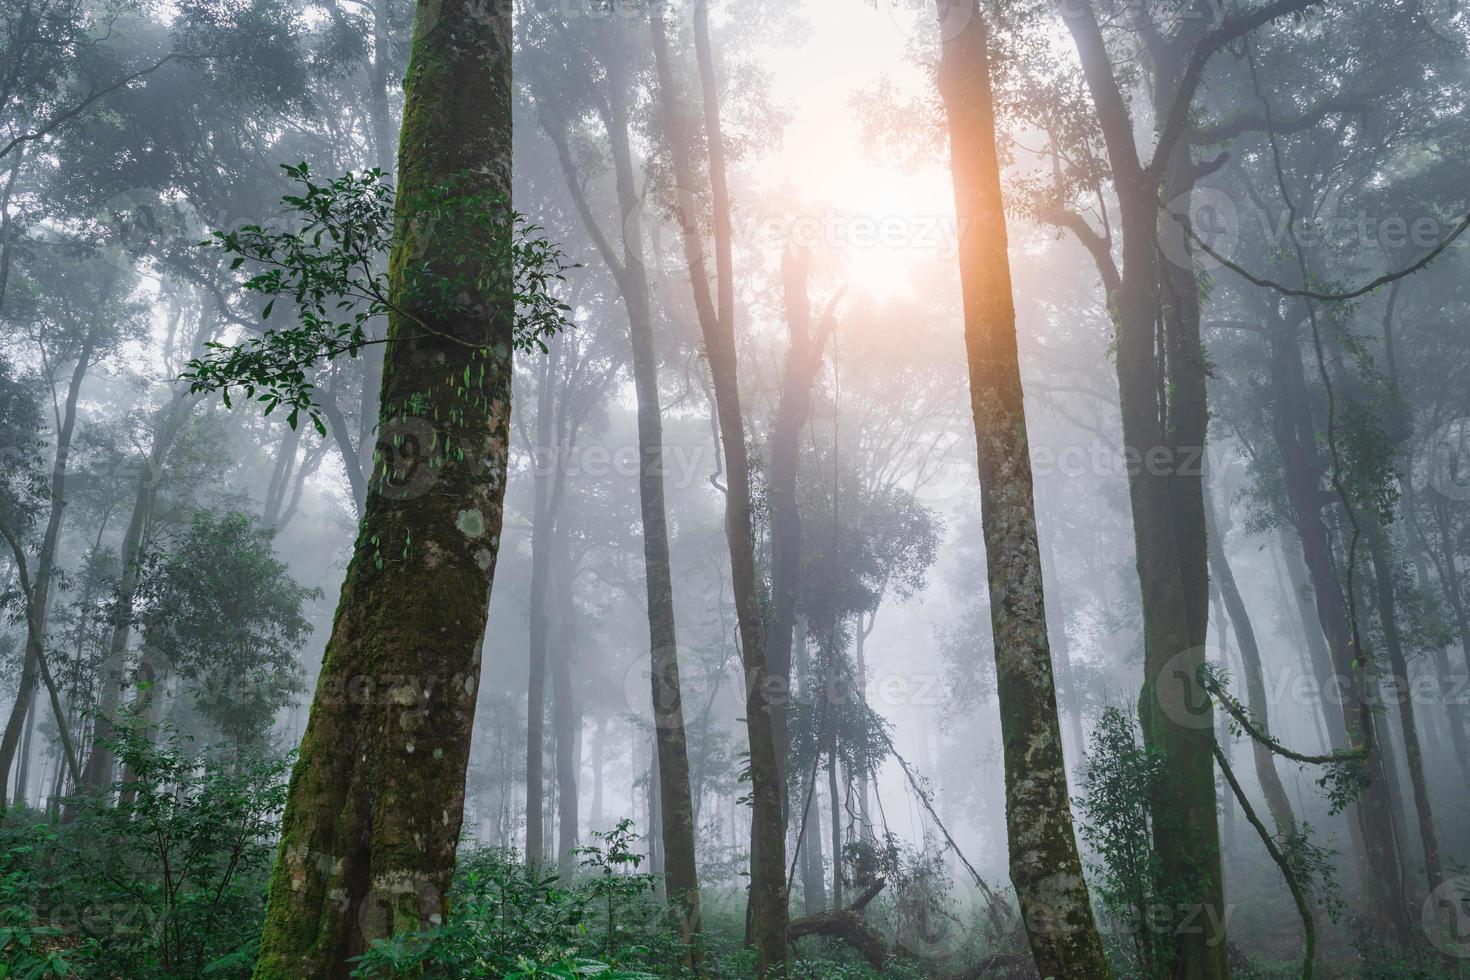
(717, 324)
(222, 612)
(612, 53)
(1045, 868)
(377, 795)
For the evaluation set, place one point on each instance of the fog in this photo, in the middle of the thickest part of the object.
(1261, 326)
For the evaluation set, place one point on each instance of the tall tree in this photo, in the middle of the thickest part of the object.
(1045, 867)
(610, 50)
(376, 798)
(717, 324)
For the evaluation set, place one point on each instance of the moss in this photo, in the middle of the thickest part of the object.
(369, 835)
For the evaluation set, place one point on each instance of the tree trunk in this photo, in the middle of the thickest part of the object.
(37, 599)
(377, 794)
(548, 480)
(1295, 436)
(101, 763)
(1257, 704)
(717, 324)
(630, 273)
(1163, 436)
(793, 411)
(565, 718)
(1045, 868)
(1299, 581)
(1403, 689)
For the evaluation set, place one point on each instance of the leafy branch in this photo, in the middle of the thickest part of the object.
(332, 267)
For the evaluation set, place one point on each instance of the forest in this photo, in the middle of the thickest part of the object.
(635, 489)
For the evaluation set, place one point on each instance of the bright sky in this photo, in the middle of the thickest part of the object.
(880, 218)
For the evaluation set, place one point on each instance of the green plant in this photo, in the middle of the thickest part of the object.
(333, 268)
(163, 879)
(1117, 781)
(29, 949)
(615, 878)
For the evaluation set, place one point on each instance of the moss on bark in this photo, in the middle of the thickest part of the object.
(376, 797)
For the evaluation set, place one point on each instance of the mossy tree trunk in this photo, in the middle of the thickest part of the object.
(1045, 867)
(377, 794)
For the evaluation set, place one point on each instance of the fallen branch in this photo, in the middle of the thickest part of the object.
(848, 925)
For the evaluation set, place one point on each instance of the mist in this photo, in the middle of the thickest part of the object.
(850, 488)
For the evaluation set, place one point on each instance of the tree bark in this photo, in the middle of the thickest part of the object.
(377, 793)
(1045, 867)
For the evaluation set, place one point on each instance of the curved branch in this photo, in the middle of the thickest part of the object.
(1232, 29)
(1284, 290)
(1309, 927)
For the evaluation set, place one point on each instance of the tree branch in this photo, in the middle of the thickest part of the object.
(1177, 118)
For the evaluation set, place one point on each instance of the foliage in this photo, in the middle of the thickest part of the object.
(164, 880)
(508, 919)
(332, 268)
(222, 610)
(1117, 781)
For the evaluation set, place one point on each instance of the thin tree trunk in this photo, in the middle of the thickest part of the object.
(548, 470)
(829, 742)
(1257, 704)
(37, 599)
(1299, 582)
(1295, 437)
(1164, 429)
(630, 273)
(101, 762)
(1403, 688)
(717, 324)
(1045, 868)
(376, 798)
(793, 411)
(564, 711)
